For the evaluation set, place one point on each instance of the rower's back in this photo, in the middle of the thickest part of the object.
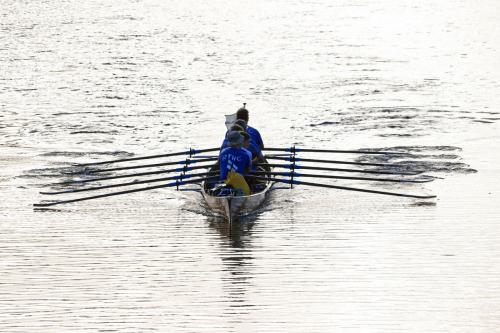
(234, 159)
(235, 162)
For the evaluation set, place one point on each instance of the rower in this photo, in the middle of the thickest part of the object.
(248, 143)
(225, 142)
(257, 158)
(255, 138)
(235, 162)
(242, 114)
(253, 148)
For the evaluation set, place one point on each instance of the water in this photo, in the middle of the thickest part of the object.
(101, 80)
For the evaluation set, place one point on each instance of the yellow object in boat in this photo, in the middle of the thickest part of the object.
(237, 182)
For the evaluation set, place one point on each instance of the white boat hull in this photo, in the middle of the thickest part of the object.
(231, 207)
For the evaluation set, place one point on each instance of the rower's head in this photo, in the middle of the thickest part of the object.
(241, 123)
(235, 139)
(246, 139)
(242, 113)
(237, 128)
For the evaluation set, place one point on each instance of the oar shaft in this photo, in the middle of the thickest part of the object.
(185, 162)
(300, 159)
(163, 179)
(305, 167)
(296, 182)
(184, 169)
(307, 175)
(190, 152)
(193, 181)
(298, 150)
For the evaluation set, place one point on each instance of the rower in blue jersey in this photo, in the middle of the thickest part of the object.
(225, 142)
(248, 144)
(253, 148)
(235, 163)
(242, 120)
(242, 114)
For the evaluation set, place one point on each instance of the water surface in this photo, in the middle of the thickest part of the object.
(100, 80)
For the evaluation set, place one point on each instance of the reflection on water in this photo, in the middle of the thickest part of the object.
(237, 232)
(89, 81)
(237, 265)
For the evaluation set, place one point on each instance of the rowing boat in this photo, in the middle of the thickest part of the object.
(230, 206)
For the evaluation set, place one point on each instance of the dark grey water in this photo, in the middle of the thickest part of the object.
(100, 80)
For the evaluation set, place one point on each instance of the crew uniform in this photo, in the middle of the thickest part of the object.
(255, 136)
(235, 162)
(254, 149)
(242, 120)
(256, 143)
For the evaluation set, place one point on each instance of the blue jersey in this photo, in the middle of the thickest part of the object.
(234, 159)
(255, 136)
(254, 148)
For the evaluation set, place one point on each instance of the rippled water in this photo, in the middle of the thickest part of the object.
(98, 80)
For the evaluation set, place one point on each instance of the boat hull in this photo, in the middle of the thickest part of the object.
(232, 207)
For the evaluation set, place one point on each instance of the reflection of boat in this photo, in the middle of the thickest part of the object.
(237, 233)
(231, 206)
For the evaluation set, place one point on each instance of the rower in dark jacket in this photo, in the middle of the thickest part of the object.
(242, 114)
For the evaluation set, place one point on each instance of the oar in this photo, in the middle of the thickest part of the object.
(298, 150)
(174, 184)
(306, 167)
(180, 177)
(184, 169)
(309, 175)
(300, 159)
(297, 182)
(189, 152)
(279, 154)
(187, 162)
